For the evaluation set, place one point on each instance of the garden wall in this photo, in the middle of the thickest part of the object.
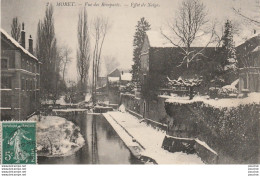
(232, 132)
(152, 111)
(131, 102)
(155, 111)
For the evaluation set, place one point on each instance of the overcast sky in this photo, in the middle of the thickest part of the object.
(123, 20)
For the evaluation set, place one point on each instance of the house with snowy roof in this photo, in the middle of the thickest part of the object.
(161, 59)
(20, 78)
(113, 78)
(117, 79)
(125, 78)
(248, 56)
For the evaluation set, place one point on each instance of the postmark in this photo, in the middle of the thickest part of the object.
(19, 143)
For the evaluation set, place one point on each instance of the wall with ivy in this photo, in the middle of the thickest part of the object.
(232, 132)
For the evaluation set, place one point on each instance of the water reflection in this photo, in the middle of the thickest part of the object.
(94, 142)
(102, 144)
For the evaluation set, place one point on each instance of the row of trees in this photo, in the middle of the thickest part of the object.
(55, 59)
(100, 27)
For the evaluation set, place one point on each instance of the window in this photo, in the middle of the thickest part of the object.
(4, 63)
(23, 84)
(37, 83)
(27, 85)
(27, 66)
(31, 67)
(6, 83)
(34, 68)
(32, 87)
(22, 63)
(34, 84)
(245, 82)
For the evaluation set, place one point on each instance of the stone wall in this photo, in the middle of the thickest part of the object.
(131, 102)
(152, 111)
(155, 110)
(113, 95)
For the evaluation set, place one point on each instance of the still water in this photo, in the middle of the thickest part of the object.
(102, 144)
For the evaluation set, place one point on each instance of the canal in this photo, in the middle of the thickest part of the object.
(102, 144)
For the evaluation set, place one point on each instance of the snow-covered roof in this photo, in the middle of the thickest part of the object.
(113, 71)
(157, 39)
(113, 79)
(257, 49)
(126, 76)
(14, 42)
(252, 36)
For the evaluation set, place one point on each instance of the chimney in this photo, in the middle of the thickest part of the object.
(23, 36)
(122, 72)
(30, 44)
(254, 31)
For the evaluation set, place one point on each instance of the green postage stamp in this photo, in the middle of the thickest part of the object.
(19, 143)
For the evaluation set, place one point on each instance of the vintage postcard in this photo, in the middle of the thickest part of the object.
(130, 82)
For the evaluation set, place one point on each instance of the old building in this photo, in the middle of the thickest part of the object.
(116, 80)
(161, 59)
(119, 78)
(125, 78)
(248, 55)
(20, 84)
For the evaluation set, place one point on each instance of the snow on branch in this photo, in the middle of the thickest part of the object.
(189, 25)
(193, 82)
(246, 17)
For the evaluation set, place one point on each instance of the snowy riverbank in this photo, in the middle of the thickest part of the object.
(57, 136)
(148, 140)
(218, 103)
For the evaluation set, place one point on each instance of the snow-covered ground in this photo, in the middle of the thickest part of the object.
(69, 110)
(219, 103)
(88, 97)
(61, 101)
(151, 139)
(57, 136)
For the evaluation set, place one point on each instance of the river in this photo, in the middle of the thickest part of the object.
(102, 144)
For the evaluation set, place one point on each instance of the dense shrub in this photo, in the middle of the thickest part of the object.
(230, 131)
(227, 91)
(213, 92)
(128, 88)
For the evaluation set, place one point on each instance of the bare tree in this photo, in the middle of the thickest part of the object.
(189, 25)
(100, 26)
(83, 53)
(16, 29)
(65, 59)
(47, 52)
(248, 18)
